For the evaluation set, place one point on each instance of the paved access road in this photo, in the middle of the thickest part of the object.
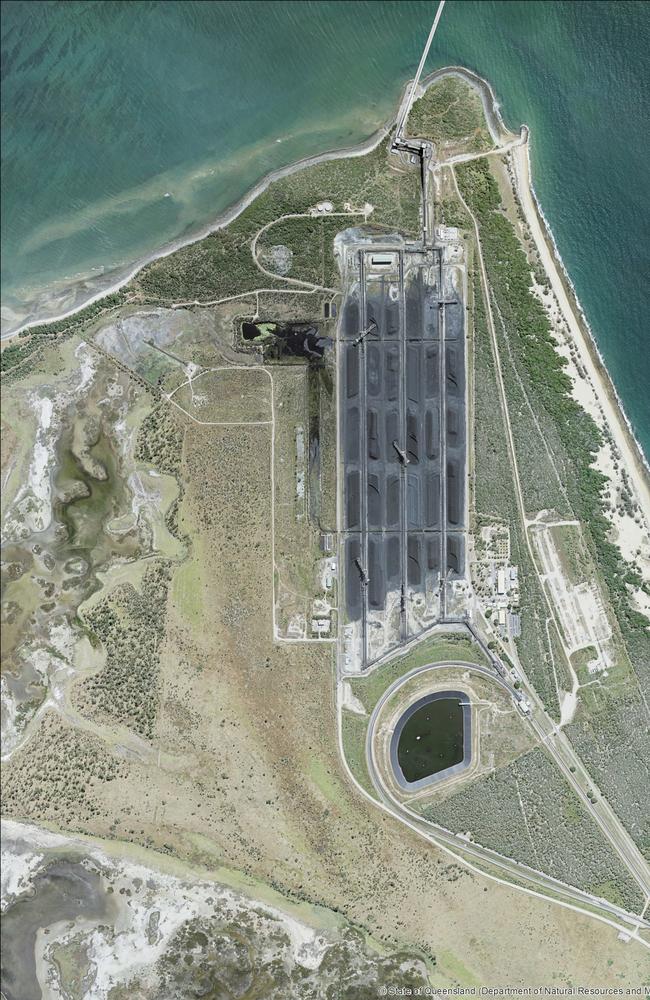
(404, 435)
(438, 834)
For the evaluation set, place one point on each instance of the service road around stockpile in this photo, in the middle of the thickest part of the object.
(403, 442)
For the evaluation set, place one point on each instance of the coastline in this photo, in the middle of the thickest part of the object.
(613, 410)
(611, 402)
(116, 279)
(613, 407)
(491, 107)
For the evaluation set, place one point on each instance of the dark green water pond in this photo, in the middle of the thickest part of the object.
(432, 739)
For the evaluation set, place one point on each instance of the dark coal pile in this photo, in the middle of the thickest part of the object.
(297, 340)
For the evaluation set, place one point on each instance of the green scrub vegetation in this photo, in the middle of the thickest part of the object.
(450, 112)
(494, 497)
(455, 648)
(609, 730)
(22, 354)
(526, 811)
(222, 264)
(131, 626)
(548, 387)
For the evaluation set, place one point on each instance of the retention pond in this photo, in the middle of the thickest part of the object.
(432, 740)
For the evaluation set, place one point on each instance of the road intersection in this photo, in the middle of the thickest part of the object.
(360, 564)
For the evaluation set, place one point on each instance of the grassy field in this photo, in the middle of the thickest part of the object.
(539, 646)
(244, 771)
(494, 492)
(238, 764)
(575, 439)
(323, 421)
(296, 533)
(354, 732)
(500, 735)
(451, 647)
(227, 395)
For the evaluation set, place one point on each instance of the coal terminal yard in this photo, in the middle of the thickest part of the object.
(403, 443)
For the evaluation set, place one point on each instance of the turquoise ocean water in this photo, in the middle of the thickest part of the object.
(127, 124)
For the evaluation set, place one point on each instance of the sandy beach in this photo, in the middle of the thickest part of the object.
(73, 297)
(89, 290)
(626, 444)
(596, 381)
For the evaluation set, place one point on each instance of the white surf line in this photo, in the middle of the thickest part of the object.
(581, 334)
(223, 220)
(493, 115)
(409, 100)
(611, 819)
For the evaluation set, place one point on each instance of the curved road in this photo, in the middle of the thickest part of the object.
(439, 835)
(600, 810)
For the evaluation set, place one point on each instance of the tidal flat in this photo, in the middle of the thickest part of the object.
(80, 922)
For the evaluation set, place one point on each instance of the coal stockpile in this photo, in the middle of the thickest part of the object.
(383, 312)
(403, 434)
(392, 500)
(353, 584)
(351, 372)
(454, 321)
(376, 573)
(455, 553)
(454, 494)
(350, 319)
(414, 561)
(455, 371)
(296, 340)
(375, 502)
(353, 499)
(422, 309)
(414, 306)
(455, 436)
